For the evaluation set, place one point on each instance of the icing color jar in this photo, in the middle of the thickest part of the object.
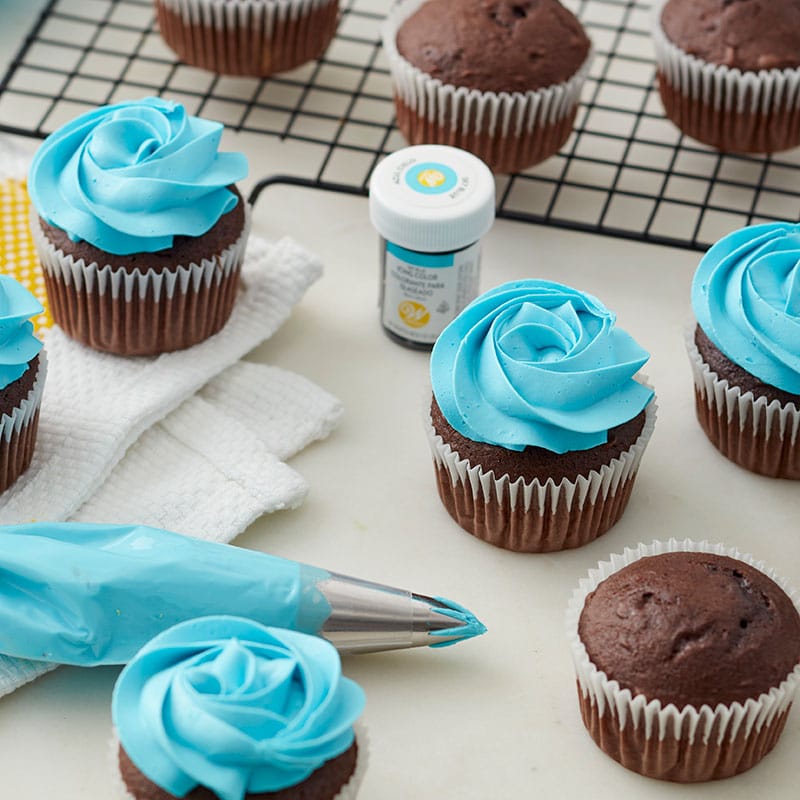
(431, 205)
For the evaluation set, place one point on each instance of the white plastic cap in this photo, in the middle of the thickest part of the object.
(431, 198)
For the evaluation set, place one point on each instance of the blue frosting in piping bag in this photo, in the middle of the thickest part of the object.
(94, 594)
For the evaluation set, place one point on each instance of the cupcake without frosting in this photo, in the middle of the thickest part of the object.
(498, 78)
(745, 347)
(223, 708)
(729, 71)
(140, 230)
(247, 37)
(688, 657)
(537, 422)
(22, 376)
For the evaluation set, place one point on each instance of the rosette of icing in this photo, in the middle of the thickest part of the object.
(129, 177)
(538, 363)
(229, 704)
(746, 297)
(18, 345)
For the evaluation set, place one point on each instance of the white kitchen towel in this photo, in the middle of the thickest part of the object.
(211, 467)
(96, 405)
(215, 464)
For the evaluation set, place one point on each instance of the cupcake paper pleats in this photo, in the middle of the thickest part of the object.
(535, 516)
(756, 434)
(140, 313)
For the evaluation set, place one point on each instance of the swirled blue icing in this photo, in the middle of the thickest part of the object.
(746, 298)
(533, 362)
(230, 704)
(129, 177)
(18, 345)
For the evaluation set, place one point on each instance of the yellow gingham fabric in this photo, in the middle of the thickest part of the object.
(17, 252)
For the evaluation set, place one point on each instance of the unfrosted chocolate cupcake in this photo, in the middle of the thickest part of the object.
(500, 79)
(729, 71)
(687, 659)
(537, 425)
(252, 37)
(745, 349)
(140, 233)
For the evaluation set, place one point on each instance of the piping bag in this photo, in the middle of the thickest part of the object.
(87, 595)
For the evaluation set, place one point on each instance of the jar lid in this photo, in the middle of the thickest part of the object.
(431, 198)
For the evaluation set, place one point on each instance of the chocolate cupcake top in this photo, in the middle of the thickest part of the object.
(129, 178)
(691, 628)
(495, 45)
(750, 35)
(746, 299)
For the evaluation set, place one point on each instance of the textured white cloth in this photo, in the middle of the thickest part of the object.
(214, 465)
(96, 405)
(132, 440)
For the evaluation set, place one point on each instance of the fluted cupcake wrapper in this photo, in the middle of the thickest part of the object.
(136, 312)
(725, 107)
(248, 37)
(535, 516)
(759, 435)
(18, 430)
(659, 741)
(508, 130)
(349, 790)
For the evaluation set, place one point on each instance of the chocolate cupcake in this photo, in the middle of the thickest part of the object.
(247, 37)
(223, 708)
(729, 72)
(745, 348)
(498, 78)
(687, 658)
(139, 230)
(537, 424)
(22, 375)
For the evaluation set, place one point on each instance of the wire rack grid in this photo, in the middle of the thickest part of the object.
(626, 170)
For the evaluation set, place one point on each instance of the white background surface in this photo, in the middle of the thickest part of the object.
(495, 717)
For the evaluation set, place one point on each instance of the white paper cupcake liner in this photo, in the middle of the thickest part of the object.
(463, 116)
(141, 312)
(18, 430)
(22, 415)
(348, 792)
(756, 433)
(159, 285)
(693, 726)
(536, 516)
(730, 108)
(247, 37)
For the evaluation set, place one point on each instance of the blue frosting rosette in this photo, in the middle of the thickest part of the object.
(128, 178)
(18, 345)
(232, 705)
(537, 363)
(746, 298)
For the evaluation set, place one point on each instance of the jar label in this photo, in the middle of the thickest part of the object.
(423, 292)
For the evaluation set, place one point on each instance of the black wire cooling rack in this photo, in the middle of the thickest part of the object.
(626, 170)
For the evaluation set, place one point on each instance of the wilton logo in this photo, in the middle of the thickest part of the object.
(431, 178)
(415, 315)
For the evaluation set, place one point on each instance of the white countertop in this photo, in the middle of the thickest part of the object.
(494, 717)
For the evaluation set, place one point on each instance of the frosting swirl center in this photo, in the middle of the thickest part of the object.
(128, 178)
(746, 297)
(537, 363)
(229, 704)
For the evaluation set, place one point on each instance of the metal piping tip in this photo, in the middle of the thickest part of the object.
(447, 622)
(370, 617)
